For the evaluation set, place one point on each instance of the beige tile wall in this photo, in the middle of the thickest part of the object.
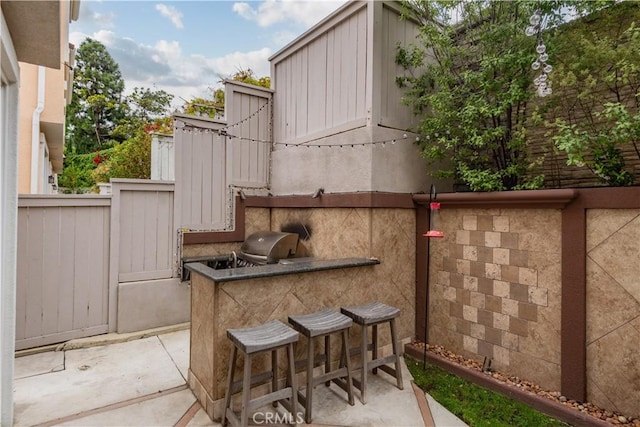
(386, 234)
(495, 289)
(613, 309)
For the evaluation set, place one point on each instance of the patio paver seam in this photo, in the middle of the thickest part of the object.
(189, 415)
(112, 406)
(423, 405)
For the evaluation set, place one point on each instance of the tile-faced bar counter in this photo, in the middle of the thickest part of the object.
(243, 297)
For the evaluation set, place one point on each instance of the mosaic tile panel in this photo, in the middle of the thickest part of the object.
(500, 267)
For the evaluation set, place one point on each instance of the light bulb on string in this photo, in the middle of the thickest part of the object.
(541, 48)
(535, 18)
(535, 65)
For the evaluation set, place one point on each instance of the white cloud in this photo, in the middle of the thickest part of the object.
(281, 38)
(172, 13)
(270, 12)
(90, 17)
(164, 66)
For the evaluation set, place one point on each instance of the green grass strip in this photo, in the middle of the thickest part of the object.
(476, 406)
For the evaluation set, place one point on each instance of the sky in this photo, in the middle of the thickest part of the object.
(186, 47)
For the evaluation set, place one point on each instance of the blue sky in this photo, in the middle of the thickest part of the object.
(184, 47)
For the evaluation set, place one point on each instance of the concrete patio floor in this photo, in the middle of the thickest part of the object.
(142, 382)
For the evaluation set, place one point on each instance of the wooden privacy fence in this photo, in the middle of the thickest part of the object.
(74, 250)
(63, 268)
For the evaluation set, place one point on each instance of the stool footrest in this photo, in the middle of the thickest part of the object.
(382, 361)
(255, 380)
(274, 396)
(389, 370)
(317, 361)
(339, 373)
(340, 382)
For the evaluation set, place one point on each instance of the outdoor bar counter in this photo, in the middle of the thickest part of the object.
(250, 296)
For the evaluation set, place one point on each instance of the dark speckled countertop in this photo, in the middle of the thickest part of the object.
(302, 266)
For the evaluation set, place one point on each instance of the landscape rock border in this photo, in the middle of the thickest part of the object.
(548, 402)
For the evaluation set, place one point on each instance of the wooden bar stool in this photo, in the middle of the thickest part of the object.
(324, 324)
(270, 336)
(372, 315)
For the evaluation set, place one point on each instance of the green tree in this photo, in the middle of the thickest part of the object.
(471, 82)
(96, 105)
(143, 107)
(598, 63)
(130, 159)
(213, 107)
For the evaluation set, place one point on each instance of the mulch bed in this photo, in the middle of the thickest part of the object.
(574, 410)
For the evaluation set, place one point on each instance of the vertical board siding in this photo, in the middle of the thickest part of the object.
(323, 84)
(162, 158)
(201, 176)
(145, 239)
(397, 31)
(63, 269)
(248, 112)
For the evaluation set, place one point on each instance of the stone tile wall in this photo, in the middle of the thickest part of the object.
(613, 309)
(386, 234)
(495, 289)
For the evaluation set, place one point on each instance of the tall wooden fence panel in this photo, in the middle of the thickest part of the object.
(63, 268)
(201, 175)
(142, 229)
(248, 110)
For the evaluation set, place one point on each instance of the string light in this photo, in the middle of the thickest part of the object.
(542, 81)
(223, 132)
(249, 117)
(230, 136)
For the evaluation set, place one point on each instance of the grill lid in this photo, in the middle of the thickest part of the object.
(268, 247)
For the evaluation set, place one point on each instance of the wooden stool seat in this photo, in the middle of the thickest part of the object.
(323, 324)
(373, 314)
(270, 336)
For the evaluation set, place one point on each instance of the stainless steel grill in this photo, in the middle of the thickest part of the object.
(260, 248)
(266, 247)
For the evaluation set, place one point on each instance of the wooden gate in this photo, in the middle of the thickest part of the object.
(63, 268)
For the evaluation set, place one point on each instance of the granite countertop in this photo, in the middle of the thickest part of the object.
(302, 266)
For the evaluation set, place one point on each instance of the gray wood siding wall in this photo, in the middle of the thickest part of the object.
(322, 85)
(142, 229)
(394, 31)
(248, 110)
(63, 268)
(74, 250)
(201, 157)
(212, 157)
